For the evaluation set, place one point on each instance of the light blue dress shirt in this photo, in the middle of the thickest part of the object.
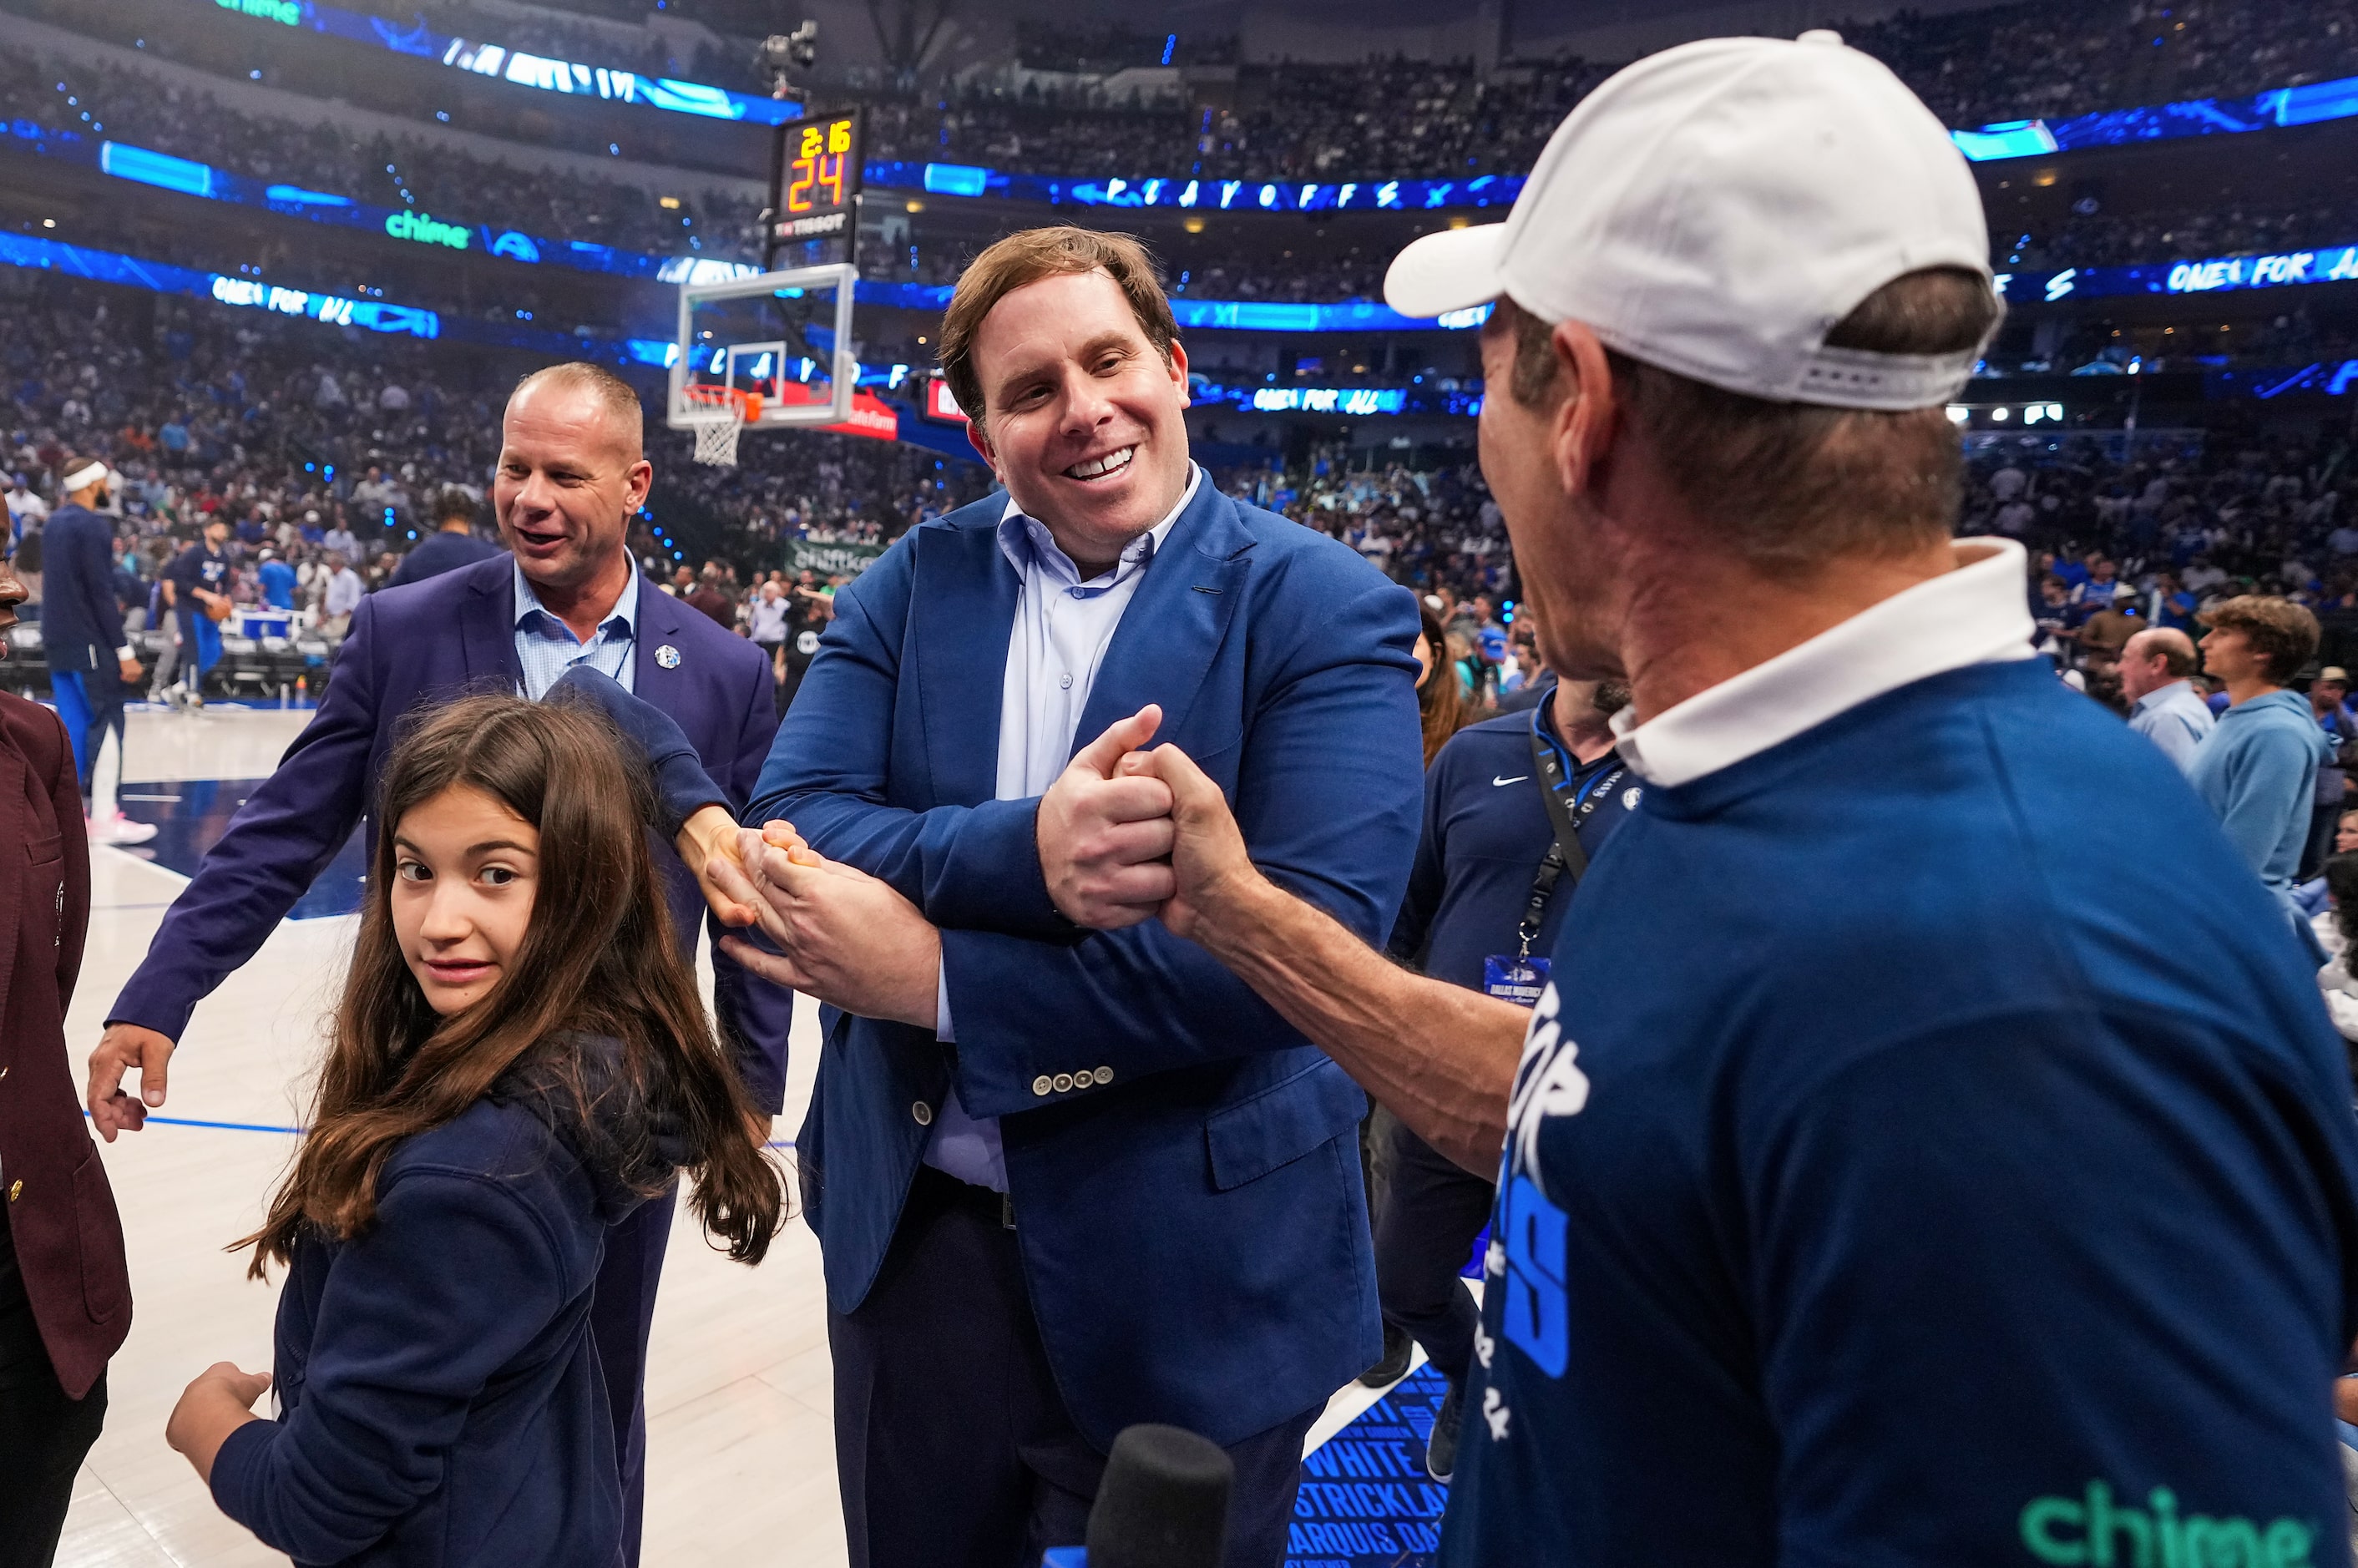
(1063, 626)
(545, 647)
(2173, 719)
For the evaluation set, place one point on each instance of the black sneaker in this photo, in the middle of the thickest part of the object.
(1441, 1444)
(1398, 1348)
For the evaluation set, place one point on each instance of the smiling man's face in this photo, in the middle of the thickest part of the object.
(1082, 416)
(568, 479)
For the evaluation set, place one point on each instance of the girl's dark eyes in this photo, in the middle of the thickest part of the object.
(413, 871)
(498, 876)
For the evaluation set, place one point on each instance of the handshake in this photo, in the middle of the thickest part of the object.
(1124, 835)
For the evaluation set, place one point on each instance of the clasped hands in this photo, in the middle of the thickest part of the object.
(1124, 835)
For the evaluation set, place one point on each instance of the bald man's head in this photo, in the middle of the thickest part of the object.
(572, 472)
(2155, 657)
(612, 401)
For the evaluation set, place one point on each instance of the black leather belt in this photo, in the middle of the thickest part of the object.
(987, 1202)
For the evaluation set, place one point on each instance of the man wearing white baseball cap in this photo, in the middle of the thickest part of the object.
(1874, 1189)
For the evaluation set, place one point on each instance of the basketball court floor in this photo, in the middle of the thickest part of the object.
(740, 1465)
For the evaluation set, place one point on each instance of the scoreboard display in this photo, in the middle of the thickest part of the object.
(819, 180)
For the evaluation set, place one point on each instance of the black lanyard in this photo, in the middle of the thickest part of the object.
(1565, 854)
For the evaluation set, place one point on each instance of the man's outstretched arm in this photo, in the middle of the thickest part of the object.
(282, 837)
(1441, 1057)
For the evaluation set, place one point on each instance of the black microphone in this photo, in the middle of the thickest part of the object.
(1163, 1502)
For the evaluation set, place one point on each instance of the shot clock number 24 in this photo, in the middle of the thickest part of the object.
(816, 171)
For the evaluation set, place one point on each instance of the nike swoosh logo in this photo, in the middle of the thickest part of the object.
(1496, 782)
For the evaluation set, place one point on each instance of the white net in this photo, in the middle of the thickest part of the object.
(717, 430)
(716, 438)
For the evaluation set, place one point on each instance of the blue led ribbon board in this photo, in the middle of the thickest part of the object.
(517, 66)
(156, 168)
(2283, 269)
(2306, 105)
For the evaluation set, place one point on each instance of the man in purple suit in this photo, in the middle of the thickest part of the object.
(572, 472)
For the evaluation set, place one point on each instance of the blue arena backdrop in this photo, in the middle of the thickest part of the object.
(541, 71)
(2308, 105)
(1442, 396)
(2330, 264)
(189, 178)
(2332, 378)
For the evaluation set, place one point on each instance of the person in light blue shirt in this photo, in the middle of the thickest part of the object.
(2258, 768)
(2163, 705)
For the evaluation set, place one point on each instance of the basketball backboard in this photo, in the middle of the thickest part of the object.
(773, 349)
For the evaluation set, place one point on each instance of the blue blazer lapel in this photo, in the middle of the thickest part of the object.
(487, 639)
(1164, 646)
(658, 627)
(961, 614)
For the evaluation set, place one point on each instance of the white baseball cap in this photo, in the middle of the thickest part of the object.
(1716, 209)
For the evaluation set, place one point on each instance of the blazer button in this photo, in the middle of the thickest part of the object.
(1062, 1082)
(14, 1187)
(1103, 1075)
(923, 1112)
(1043, 1084)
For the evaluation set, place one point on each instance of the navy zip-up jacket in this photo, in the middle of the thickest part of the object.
(440, 1399)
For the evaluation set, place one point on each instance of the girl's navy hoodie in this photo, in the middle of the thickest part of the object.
(440, 1401)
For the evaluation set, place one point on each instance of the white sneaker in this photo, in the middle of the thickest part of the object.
(119, 830)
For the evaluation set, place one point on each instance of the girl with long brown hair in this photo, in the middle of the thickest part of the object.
(1443, 709)
(519, 1059)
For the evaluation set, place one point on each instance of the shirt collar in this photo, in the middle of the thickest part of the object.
(1026, 542)
(528, 605)
(1972, 615)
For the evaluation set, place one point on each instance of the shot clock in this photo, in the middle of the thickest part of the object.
(819, 180)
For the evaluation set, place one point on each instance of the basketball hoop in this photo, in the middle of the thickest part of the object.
(725, 414)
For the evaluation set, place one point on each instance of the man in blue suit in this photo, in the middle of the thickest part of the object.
(91, 657)
(1067, 1182)
(572, 472)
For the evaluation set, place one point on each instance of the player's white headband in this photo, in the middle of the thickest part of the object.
(88, 474)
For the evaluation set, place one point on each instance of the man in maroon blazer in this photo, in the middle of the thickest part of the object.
(65, 1294)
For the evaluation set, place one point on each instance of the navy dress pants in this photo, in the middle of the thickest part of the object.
(952, 1444)
(44, 1435)
(622, 1314)
(1433, 1210)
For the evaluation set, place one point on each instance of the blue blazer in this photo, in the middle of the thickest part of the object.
(440, 1397)
(1183, 1165)
(428, 643)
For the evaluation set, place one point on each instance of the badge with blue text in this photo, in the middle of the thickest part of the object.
(1518, 980)
(667, 656)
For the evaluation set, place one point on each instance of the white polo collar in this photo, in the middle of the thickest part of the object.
(1976, 614)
